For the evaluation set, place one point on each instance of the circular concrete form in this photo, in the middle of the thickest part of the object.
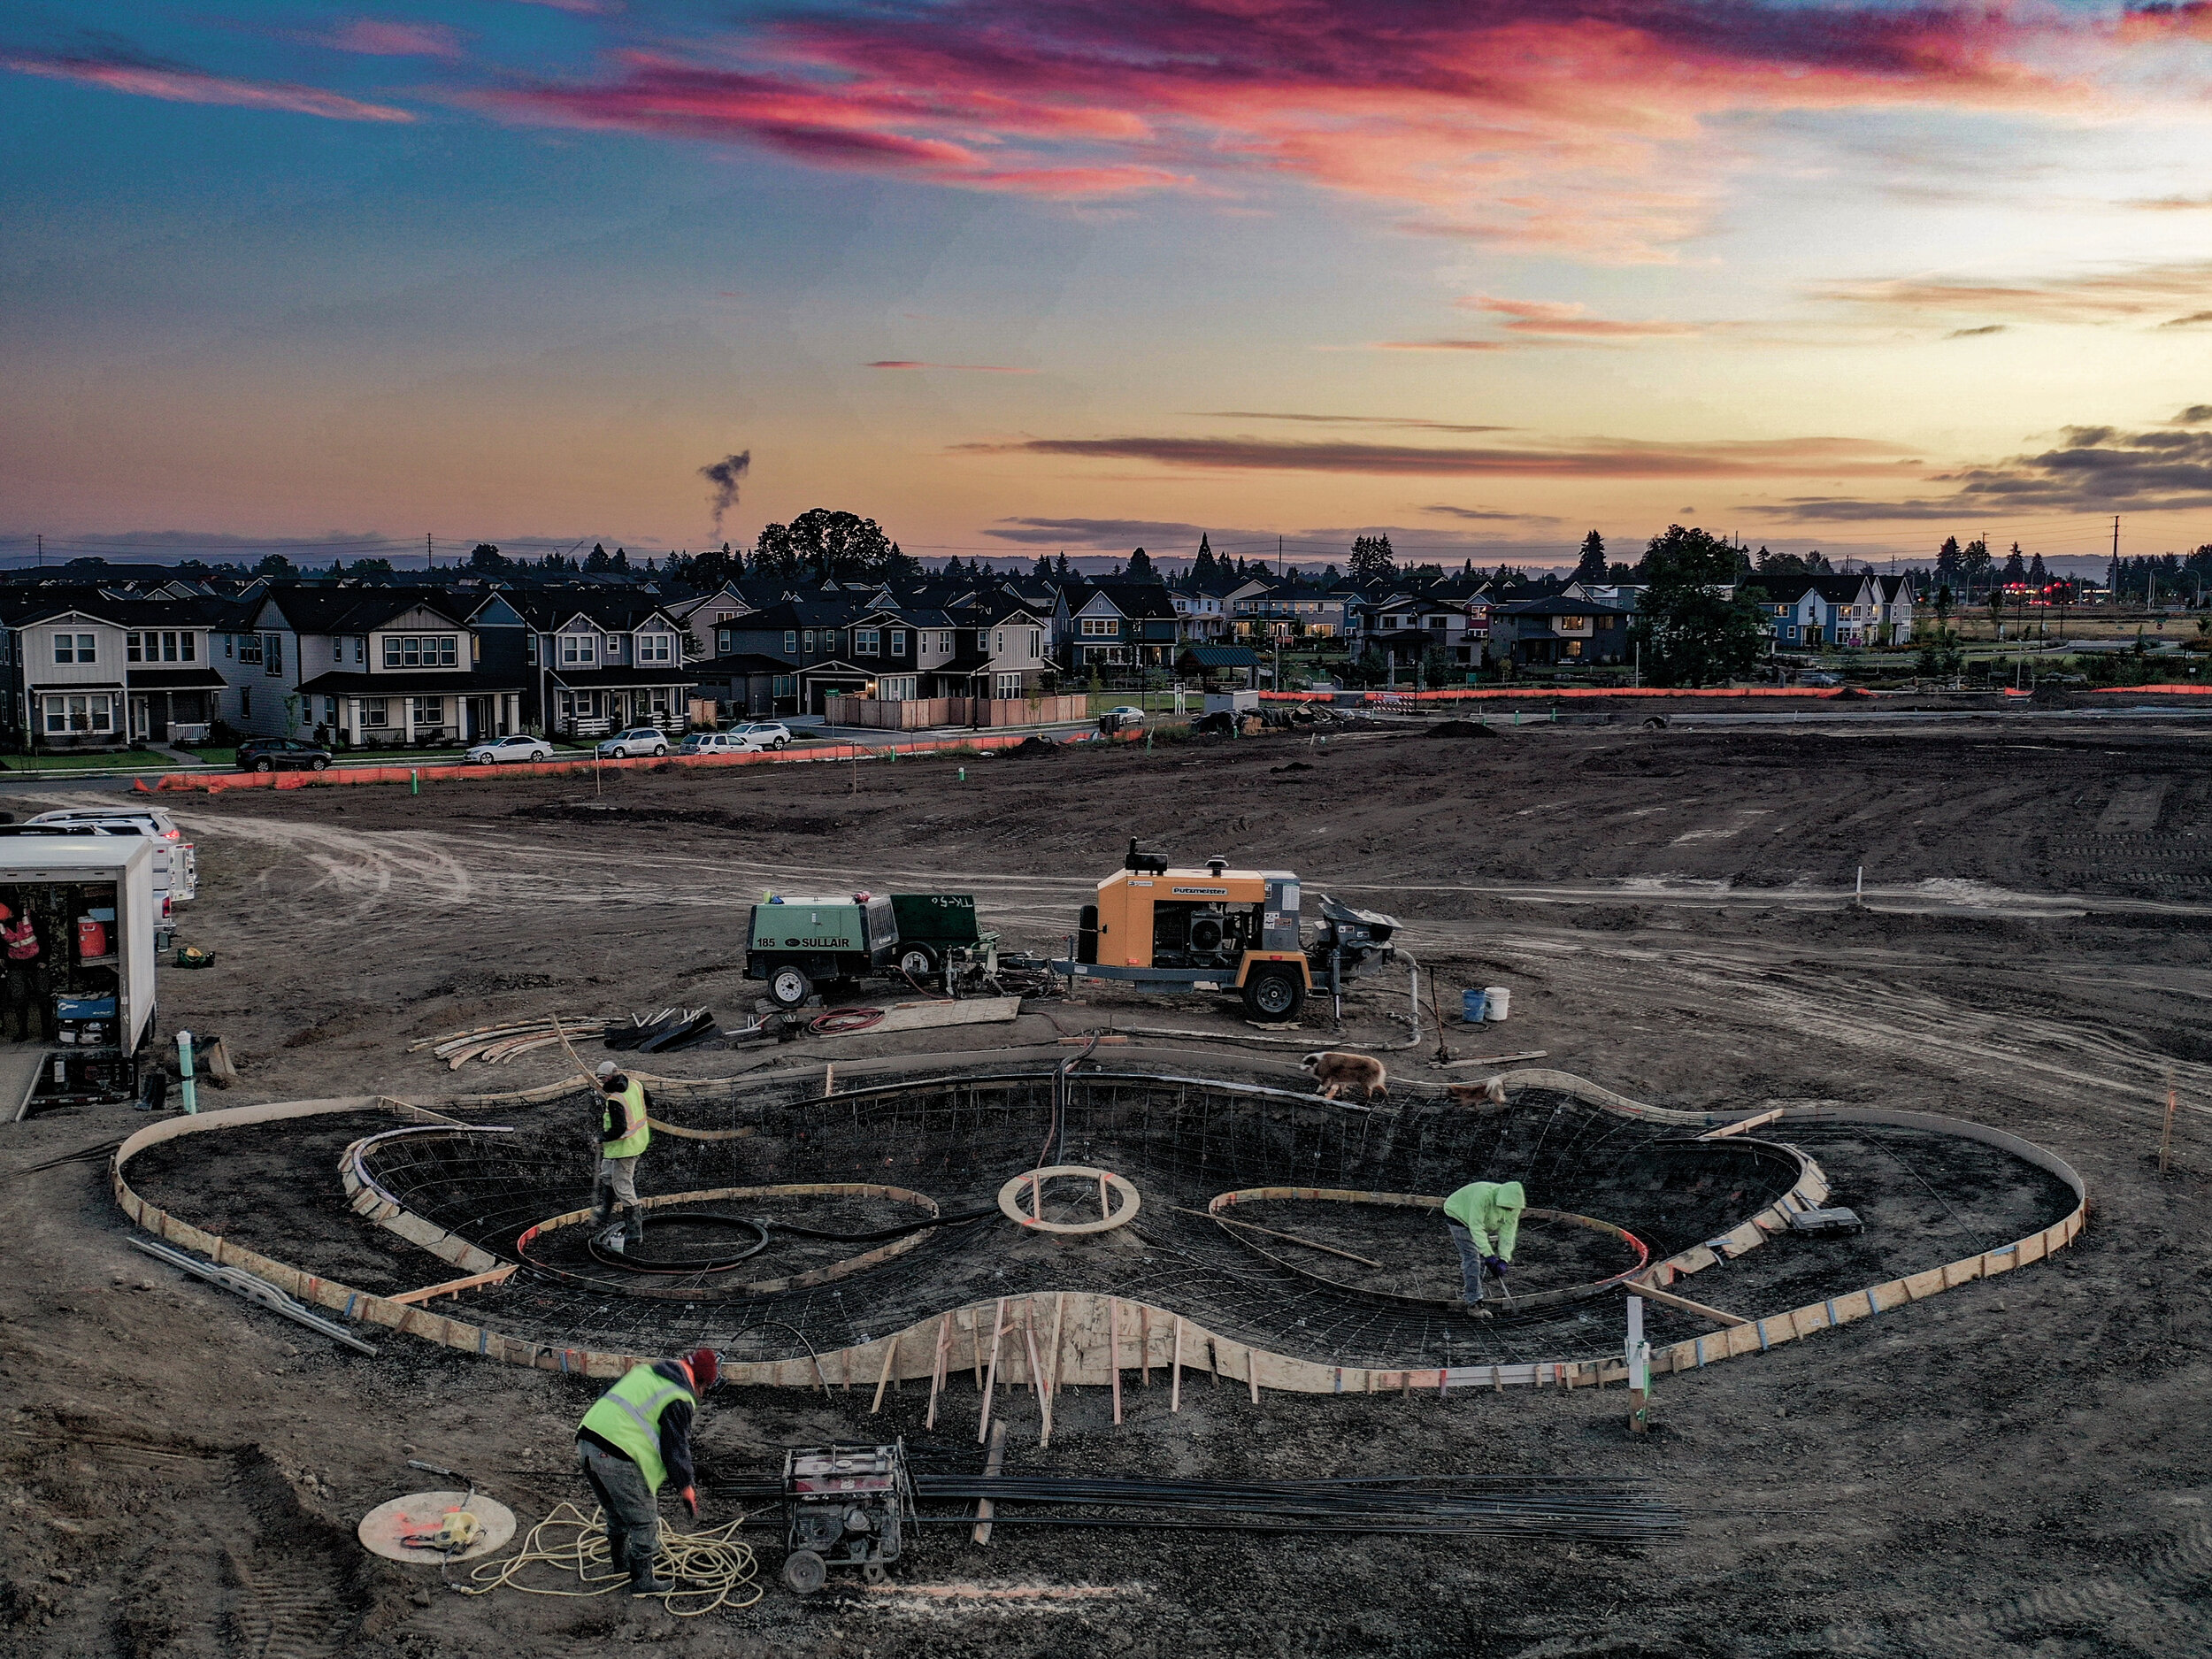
(1009, 1197)
(384, 1529)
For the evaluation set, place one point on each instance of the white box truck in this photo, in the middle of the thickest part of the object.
(89, 900)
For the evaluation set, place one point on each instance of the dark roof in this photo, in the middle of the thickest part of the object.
(618, 611)
(1134, 600)
(355, 683)
(27, 608)
(606, 679)
(739, 663)
(356, 610)
(175, 678)
(1557, 607)
(1222, 656)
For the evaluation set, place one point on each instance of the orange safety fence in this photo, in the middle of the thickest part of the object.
(1526, 692)
(450, 771)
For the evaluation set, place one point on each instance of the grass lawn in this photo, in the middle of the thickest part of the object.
(138, 760)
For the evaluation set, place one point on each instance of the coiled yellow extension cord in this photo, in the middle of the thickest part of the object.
(713, 1570)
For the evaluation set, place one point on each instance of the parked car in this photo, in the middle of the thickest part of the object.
(629, 745)
(176, 860)
(712, 743)
(276, 754)
(1819, 678)
(517, 747)
(167, 868)
(1127, 715)
(760, 734)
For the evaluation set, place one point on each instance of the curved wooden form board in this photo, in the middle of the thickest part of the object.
(1094, 1326)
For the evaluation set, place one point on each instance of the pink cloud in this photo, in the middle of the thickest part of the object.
(1539, 124)
(376, 37)
(190, 86)
(1786, 458)
(970, 368)
(1569, 321)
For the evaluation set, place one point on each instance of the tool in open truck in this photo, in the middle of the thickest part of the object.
(920, 939)
(1158, 928)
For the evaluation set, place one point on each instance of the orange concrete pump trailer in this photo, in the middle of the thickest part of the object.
(1219, 929)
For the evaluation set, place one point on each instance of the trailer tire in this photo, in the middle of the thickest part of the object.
(788, 987)
(1272, 996)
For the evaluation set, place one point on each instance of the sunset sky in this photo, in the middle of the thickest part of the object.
(1024, 275)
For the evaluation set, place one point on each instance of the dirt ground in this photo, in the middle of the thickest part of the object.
(2019, 1466)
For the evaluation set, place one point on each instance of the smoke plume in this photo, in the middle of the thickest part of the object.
(724, 474)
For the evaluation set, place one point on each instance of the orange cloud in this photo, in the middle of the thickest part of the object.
(1569, 321)
(1604, 458)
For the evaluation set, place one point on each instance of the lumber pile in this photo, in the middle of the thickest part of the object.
(497, 1045)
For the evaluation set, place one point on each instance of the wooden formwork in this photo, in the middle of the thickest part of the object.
(1085, 1338)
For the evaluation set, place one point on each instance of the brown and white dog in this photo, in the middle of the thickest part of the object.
(1336, 1072)
(1491, 1090)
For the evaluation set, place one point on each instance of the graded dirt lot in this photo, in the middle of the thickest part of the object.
(2022, 1465)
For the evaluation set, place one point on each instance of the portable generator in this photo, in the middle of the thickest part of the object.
(844, 1506)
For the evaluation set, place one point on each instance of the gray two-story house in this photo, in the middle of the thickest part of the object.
(604, 663)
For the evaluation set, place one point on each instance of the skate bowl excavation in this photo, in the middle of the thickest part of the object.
(1058, 1226)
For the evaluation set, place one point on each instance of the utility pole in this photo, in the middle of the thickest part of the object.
(427, 556)
(42, 552)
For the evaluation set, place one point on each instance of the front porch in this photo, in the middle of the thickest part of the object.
(600, 710)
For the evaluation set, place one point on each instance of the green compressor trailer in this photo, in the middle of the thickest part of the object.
(796, 944)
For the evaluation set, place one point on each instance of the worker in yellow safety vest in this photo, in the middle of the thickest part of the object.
(1473, 1213)
(636, 1437)
(624, 1134)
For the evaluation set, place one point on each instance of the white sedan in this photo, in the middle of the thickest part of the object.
(628, 745)
(1127, 715)
(762, 734)
(508, 748)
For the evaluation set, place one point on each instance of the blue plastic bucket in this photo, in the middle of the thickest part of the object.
(1474, 1006)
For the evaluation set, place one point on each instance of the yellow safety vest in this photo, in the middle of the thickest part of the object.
(637, 1132)
(628, 1417)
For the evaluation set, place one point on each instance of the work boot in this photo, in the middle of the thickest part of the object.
(643, 1583)
(601, 1203)
(632, 1227)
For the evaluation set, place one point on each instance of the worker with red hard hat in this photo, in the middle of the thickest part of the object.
(23, 1009)
(636, 1437)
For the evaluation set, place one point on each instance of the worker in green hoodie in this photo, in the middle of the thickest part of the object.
(1473, 1213)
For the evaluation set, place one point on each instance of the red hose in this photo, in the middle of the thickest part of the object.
(837, 1022)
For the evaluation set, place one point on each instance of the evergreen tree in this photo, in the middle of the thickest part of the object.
(1140, 566)
(1373, 560)
(2016, 570)
(1060, 567)
(2038, 577)
(1591, 567)
(620, 564)
(1043, 572)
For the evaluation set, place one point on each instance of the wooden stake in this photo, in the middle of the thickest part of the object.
(1175, 1370)
(1037, 1379)
(890, 1358)
(2166, 1139)
(990, 1386)
(1213, 1362)
(990, 1472)
(1144, 1342)
(975, 1334)
(937, 1367)
(1059, 1327)
(1252, 1373)
(1113, 1351)
(829, 1078)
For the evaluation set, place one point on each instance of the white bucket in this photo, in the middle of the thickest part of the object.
(1497, 1001)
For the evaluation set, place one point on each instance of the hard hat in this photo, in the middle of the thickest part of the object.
(5, 913)
(706, 1369)
(607, 1068)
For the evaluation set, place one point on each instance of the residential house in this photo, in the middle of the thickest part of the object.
(375, 667)
(1271, 609)
(600, 663)
(794, 656)
(1860, 609)
(1560, 631)
(1406, 626)
(1201, 617)
(87, 669)
(702, 614)
(1124, 627)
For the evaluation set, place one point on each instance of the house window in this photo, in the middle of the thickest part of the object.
(1036, 642)
(656, 648)
(361, 652)
(944, 643)
(791, 640)
(130, 648)
(530, 648)
(783, 685)
(249, 647)
(897, 688)
(330, 710)
(999, 649)
(579, 650)
(867, 641)
(429, 710)
(84, 713)
(75, 648)
(375, 711)
(1390, 622)
(1101, 627)
(273, 653)
(422, 650)
(1009, 685)
(1574, 648)
(898, 641)
(810, 641)
(227, 646)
